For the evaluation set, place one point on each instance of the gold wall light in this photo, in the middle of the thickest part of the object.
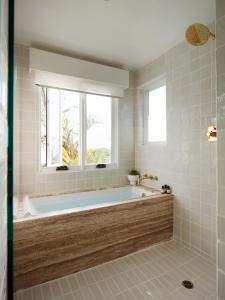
(198, 34)
(212, 134)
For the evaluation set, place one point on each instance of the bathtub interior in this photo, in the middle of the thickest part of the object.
(47, 204)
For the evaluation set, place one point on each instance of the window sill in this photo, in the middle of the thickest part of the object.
(52, 170)
(156, 143)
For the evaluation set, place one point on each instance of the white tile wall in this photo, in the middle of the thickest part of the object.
(187, 161)
(220, 57)
(28, 179)
(3, 157)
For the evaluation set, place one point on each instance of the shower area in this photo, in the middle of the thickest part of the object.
(87, 117)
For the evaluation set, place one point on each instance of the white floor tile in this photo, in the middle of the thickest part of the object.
(155, 273)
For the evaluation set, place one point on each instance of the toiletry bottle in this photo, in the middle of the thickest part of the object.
(168, 189)
(163, 190)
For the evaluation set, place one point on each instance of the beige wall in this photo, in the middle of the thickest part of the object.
(220, 56)
(28, 179)
(3, 157)
(187, 161)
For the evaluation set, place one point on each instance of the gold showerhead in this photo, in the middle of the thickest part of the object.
(198, 34)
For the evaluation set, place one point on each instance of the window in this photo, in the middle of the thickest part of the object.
(98, 124)
(156, 121)
(77, 130)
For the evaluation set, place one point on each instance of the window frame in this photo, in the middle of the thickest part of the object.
(48, 148)
(153, 85)
(82, 136)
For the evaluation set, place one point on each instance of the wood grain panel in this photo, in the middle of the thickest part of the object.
(51, 247)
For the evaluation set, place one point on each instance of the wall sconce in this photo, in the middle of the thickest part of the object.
(212, 134)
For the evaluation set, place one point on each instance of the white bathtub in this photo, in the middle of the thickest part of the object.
(84, 200)
(72, 232)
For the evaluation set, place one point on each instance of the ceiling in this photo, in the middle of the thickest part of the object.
(125, 33)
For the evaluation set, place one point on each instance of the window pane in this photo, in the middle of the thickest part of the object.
(70, 128)
(43, 127)
(54, 128)
(98, 124)
(157, 115)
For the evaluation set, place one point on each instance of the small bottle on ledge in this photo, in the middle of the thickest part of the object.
(166, 189)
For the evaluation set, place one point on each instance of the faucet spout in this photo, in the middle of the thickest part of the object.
(146, 176)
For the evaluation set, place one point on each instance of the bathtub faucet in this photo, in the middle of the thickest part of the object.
(146, 176)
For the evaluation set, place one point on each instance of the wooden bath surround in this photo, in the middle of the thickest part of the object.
(47, 248)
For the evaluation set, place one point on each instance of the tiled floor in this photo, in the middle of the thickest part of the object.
(154, 273)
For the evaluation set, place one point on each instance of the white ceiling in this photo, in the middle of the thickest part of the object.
(127, 33)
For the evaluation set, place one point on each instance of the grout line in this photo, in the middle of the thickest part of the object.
(167, 271)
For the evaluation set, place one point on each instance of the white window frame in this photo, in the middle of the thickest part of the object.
(48, 134)
(82, 144)
(155, 84)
